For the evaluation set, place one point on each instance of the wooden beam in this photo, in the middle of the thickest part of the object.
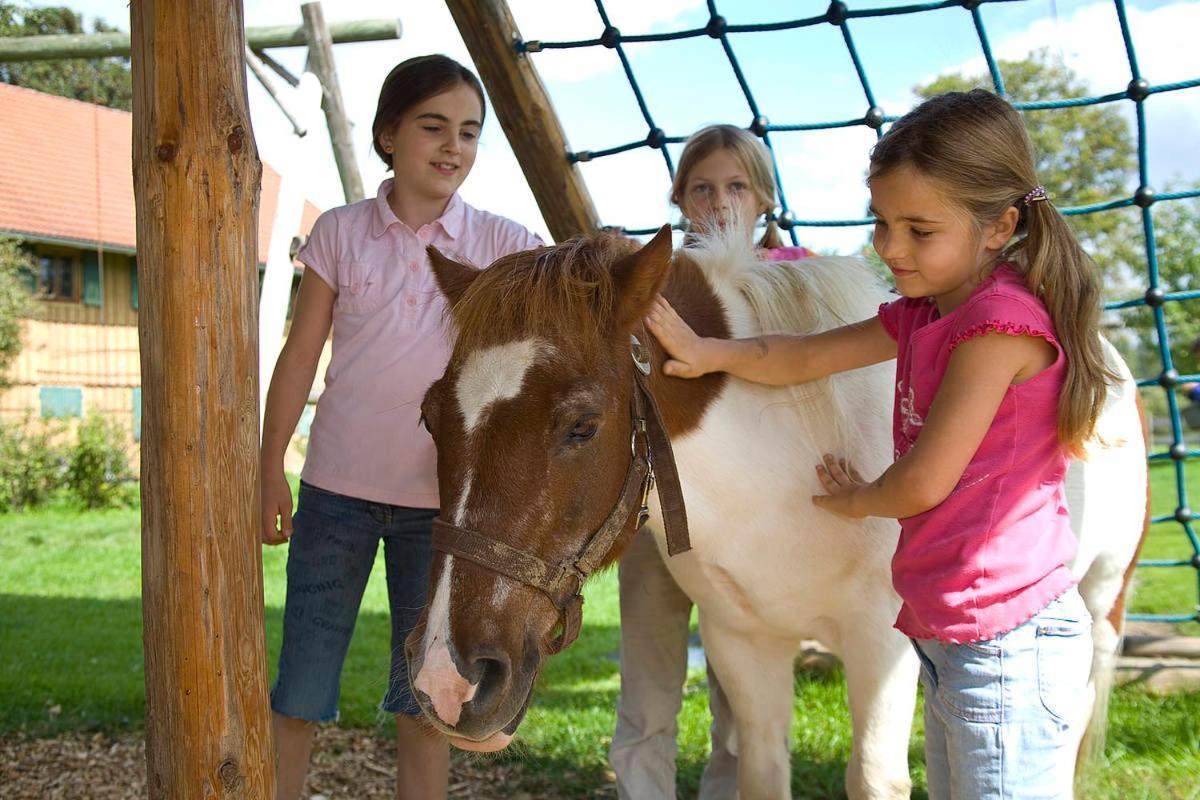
(101, 45)
(196, 185)
(320, 59)
(521, 104)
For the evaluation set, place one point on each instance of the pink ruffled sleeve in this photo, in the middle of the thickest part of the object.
(1006, 313)
(889, 315)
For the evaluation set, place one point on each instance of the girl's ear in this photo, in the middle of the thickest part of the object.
(1000, 232)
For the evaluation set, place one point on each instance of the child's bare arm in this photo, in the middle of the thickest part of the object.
(290, 384)
(778, 360)
(979, 374)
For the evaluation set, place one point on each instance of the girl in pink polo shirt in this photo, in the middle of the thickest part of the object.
(724, 179)
(369, 474)
(1000, 378)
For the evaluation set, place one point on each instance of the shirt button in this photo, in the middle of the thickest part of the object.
(412, 301)
(412, 265)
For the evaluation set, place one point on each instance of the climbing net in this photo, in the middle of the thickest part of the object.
(838, 14)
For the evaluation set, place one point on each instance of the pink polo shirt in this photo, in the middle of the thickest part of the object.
(993, 553)
(390, 341)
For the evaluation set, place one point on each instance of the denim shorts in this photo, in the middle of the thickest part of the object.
(1003, 716)
(333, 546)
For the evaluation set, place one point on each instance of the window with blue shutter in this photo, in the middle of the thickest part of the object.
(91, 279)
(133, 283)
(61, 402)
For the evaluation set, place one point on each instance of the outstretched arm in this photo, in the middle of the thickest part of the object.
(977, 377)
(778, 360)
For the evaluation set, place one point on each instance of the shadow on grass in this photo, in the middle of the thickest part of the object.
(71, 664)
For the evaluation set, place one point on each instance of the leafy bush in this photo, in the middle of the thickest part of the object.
(31, 465)
(98, 465)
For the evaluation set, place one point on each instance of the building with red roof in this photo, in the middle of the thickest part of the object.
(66, 191)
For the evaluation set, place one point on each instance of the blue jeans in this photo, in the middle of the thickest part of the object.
(333, 546)
(1002, 715)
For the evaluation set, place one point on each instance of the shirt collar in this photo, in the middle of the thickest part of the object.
(451, 220)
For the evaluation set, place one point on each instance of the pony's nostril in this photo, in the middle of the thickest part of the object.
(493, 671)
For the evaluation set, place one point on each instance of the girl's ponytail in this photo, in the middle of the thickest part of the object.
(1067, 280)
(771, 238)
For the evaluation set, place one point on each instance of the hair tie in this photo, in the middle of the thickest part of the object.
(1036, 194)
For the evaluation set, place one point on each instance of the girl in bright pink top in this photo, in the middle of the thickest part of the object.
(370, 474)
(999, 379)
(724, 181)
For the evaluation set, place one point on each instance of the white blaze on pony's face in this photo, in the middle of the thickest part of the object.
(488, 377)
(492, 375)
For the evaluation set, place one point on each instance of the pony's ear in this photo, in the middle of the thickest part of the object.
(640, 277)
(452, 277)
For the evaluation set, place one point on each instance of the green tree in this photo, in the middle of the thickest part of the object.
(104, 81)
(1177, 239)
(16, 267)
(1085, 154)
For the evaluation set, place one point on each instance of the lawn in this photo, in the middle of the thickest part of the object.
(71, 659)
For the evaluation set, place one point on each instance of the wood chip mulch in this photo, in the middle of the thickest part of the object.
(347, 763)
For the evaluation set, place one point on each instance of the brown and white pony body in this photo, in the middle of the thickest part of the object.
(533, 431)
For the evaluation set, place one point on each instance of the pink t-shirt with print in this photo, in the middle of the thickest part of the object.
(390, 341)
(993, 553)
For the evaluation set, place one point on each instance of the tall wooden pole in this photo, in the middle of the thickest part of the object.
(527, 116)
(320, 59)
(196, 183)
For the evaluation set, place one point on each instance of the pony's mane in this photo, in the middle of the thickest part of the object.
(806, 296)
(564, 293)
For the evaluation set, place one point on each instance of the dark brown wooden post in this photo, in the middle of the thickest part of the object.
(196, 182)
(527, 116)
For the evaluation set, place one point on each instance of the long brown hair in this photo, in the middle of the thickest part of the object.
(750, 153)
(975, 147)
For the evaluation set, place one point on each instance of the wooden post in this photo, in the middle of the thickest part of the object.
(196, 184)
(320, 59)
(527, 116)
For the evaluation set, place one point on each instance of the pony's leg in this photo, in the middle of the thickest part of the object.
(756, 673)
(881, 681)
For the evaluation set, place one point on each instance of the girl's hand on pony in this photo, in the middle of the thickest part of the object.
(688, 354)
(842, 482)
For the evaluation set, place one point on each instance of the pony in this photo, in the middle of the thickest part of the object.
(542, 462)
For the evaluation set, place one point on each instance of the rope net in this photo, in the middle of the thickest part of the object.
(1139, 91)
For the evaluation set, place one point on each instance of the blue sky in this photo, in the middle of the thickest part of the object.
(797, 76)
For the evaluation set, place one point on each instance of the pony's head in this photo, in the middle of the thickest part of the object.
(532, 423)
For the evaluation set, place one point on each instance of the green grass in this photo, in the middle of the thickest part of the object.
(71, 659)
(1168, 590)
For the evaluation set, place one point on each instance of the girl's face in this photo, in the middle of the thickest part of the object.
(433, 146)
(930, 244)
(718, 192)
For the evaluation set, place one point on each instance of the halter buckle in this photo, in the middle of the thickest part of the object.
(641, 355)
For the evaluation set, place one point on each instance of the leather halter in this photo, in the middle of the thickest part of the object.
(653, 463)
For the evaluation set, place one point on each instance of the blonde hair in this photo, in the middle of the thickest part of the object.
(754, 158)
(975, 147)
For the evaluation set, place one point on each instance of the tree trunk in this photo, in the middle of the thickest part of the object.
(196, 183)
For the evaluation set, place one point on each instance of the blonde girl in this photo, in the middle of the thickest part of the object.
(999, 379)
(723, 186)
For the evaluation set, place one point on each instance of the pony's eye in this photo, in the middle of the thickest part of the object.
(424, 423)
(584, 429)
